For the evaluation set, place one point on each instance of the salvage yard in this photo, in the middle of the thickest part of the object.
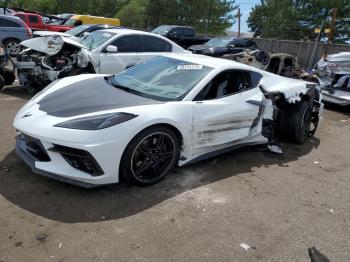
(247, 205)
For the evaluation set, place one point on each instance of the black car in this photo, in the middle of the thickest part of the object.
(184, 36)
(220, 46)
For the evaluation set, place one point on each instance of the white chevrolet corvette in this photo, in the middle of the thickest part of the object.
(171, 110)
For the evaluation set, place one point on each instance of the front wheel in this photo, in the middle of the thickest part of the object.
(298, 123)
(150, 156)
(12, 47)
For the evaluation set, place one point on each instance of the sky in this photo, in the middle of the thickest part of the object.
(246, 6)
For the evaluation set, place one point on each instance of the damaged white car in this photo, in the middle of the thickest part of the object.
(333, 75)
(107, 51)
(171, 110)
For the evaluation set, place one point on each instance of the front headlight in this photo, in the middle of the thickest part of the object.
(83, 59)
(97, 122)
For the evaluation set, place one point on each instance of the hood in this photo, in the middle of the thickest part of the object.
(50, 44)
(206, 48)
(89, 96)
(48, 33)
(340, 57)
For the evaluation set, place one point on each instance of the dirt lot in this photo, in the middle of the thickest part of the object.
(277, 204)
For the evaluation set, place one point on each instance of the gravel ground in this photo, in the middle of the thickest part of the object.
(278, 205)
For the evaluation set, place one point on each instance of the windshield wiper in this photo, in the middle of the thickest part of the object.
(110, 81)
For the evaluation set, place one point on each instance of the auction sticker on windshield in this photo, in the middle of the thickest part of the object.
(189, 67)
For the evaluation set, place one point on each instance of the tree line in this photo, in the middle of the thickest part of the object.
(298, 19)
(212, 16)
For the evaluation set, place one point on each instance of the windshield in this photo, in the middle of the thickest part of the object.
(219, 42)
(70, 22)
(77, 30)
(162, 30)
(96, 39)
(162, 78)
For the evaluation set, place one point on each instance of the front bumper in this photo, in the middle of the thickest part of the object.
(337, 97)
(21, 150)
(49, 160)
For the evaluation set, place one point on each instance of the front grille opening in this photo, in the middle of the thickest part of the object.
(79, 159)
(35, 148)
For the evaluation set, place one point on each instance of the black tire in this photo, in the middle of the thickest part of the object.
(2, 82)
(296, 123)
(8, 75)
(12, 47)
(144, 162)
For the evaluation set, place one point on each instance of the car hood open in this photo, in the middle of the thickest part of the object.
(50, 44)
(89, 96)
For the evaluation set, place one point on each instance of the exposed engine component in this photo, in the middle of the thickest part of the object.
(52, 59)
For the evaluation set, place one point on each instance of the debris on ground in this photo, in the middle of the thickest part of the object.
(41, 237)
(317, 256)
(244, 246)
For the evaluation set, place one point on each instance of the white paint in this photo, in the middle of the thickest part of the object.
(190, 117)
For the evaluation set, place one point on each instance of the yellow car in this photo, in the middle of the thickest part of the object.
(76, 20)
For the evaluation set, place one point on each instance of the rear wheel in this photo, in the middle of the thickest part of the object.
(12, 47)
(297, 123)
(150, 156)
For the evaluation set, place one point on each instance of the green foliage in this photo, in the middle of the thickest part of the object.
(213, 16)
(297, 19)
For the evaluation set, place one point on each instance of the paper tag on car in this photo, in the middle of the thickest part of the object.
(189, 67)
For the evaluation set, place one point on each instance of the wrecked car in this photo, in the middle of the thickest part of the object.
(333, 75)
(171, 110)
(7, 72)
(277, 63)
(107, 51)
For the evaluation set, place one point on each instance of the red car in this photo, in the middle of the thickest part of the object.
(36, 22)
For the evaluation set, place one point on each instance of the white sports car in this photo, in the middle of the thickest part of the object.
(171, 110)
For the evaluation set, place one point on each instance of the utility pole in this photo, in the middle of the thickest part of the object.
(239, 22)
(334, 17)
(330, 37)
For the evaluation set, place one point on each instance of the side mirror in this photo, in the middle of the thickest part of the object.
(112, 49)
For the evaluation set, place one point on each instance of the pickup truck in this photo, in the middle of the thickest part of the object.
(37, 22)
(184, 36)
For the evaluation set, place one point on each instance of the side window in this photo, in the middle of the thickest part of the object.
(22, 17)
(226, 83)
(154, 44)
(177, 31)
(256, 77)
(33, 19)
(8, 23)
(3, 23)
(188, 32)
(128, 44)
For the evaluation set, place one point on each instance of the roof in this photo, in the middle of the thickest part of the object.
(127, 31)
(208, 61)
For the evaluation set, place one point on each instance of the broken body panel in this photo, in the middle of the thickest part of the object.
(333, 75)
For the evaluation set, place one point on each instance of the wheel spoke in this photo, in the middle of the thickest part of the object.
(165, 155)
(144, 150)
(160, 140)
(144, 166)
(156, 169)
